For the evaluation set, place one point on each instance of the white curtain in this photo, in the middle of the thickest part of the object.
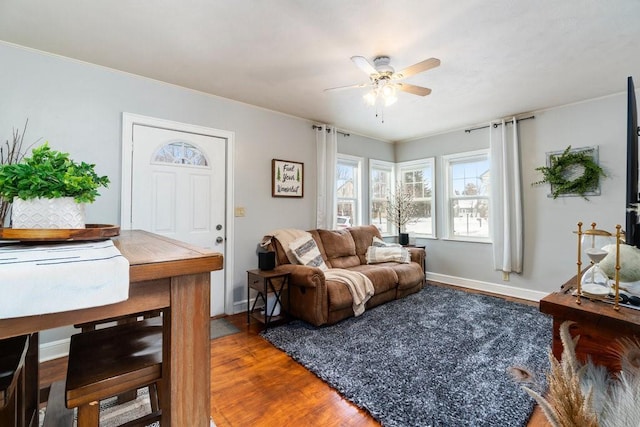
(327, 148)
(506, 197)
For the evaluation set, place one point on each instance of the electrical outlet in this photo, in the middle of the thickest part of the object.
(505, 276)
(239, 211)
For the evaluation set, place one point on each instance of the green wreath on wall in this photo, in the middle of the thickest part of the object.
(572, 172)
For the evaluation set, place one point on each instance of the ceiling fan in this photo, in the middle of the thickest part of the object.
(385, 81)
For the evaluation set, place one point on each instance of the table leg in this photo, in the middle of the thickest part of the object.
(186, 353)
(32, 387)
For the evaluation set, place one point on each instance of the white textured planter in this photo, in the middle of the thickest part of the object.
(62, 212)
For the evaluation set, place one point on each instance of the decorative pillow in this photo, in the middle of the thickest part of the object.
(377, 254)
(307, 253)
(382, 244)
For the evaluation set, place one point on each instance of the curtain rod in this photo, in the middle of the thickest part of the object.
(316, 127)
(495, 125)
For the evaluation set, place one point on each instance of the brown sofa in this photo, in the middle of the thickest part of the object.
(319, 301)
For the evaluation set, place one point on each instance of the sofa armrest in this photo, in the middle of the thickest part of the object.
(418, 255)
(303, 275)
(308, 293)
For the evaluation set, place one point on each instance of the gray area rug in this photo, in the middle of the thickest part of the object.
(221, 327)
(112, 414)
(435, 358)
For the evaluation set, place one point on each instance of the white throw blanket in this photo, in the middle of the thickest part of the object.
(285, 236)
(45, 279)
(358, 284)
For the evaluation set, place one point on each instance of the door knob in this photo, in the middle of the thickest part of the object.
(219, 239)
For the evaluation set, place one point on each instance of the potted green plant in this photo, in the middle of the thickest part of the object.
(49, 189)
(10, 153)
(400, 210)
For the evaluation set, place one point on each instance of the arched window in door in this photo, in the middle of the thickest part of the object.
(180, 153)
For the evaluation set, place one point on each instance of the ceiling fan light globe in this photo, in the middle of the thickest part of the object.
(388, 91)
(390, 100)
(370, 98)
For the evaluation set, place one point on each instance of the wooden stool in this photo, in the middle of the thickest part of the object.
(13, 352)
(129, 395)
(106, 362)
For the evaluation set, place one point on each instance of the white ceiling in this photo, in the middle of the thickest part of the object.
(499, 57)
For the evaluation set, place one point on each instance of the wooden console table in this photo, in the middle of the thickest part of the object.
(597, 323)
(171, 276)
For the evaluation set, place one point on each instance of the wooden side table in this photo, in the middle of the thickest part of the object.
(266, 282)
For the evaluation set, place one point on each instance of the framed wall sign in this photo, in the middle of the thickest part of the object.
(287, 178)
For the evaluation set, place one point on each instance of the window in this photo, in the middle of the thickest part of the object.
(348, 193)
(467, 195)
(417, 178)
(380, 184)
(181, 153)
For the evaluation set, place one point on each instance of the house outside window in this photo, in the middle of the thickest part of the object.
(348, 191)
(381, 181)
(467, 196)
(417, 177)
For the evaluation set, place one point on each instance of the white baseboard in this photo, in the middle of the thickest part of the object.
(241, 306)
(54, 349)
(512, 291)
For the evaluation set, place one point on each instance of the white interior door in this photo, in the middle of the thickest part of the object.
(178, 190)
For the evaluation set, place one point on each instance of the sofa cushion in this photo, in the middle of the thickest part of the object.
(338, 295)
(339, 248)
(363, 236)
(409, 275)
(306, 252)
(382, 276)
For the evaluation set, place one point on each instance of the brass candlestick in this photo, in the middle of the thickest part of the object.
(579, 275)
(616, 305)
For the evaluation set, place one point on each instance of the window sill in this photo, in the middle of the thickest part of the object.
(462, 239)
(423, 237)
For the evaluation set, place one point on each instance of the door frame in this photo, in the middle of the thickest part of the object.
(128, 121)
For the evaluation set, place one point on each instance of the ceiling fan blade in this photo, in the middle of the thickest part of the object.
(413, 89)
(347, 87)
(425, 65)
(364, 64)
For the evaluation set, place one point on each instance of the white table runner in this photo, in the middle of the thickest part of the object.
(52, 278)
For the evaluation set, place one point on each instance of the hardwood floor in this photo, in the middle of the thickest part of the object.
(255, 384)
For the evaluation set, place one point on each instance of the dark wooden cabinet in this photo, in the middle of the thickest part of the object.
(598, 324)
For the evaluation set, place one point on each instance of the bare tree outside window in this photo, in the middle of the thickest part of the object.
(400, 207)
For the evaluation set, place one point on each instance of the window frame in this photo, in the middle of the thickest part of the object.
(414, 165)
(355, 162)
(448, 196)
(390, 168)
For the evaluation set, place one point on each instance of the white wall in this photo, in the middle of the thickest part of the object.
(550, 246)
(78, 107)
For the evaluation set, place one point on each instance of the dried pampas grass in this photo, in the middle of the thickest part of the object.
(586, 395)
